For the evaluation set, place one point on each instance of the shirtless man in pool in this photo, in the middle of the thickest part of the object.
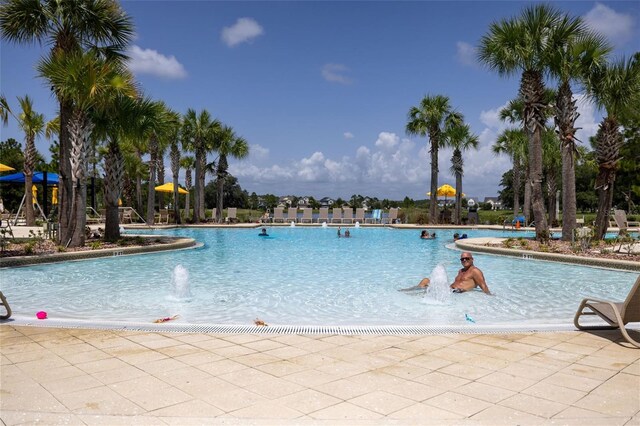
(468, 278)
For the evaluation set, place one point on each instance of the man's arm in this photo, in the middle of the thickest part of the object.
(479, 279)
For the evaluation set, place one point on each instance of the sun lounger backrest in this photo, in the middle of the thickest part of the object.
(337, 214)
(631, 310)
(278, 214)
(360, 215)
(323, 214)
(292, 214)
(393, 213)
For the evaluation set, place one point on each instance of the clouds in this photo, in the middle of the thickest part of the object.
(348, 135)
(149, 61)
(615, 26)
(335, 73)
(466, 54)
(245, 30)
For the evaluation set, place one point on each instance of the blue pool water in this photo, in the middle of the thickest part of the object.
(307, 277)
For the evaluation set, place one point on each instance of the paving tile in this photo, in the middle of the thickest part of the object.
(616, 397)
(633, 369)
(555, 393)
(458, 403)
(345, 389)
(484, 392)
(263, 345)
(267, 410)
(499, 415)
(286, 352)
(404, 371)
(581, 413)
(231, 400)
(10, 417)
(161, 365)
(241, 339)
(342, 369)
(506, 381)
(421, 413)
(587, 371)
(275, 388)
(345, 411)
(192, 408)
(101, 400)
(223, 366)
(441, 380)
(102, 365)
(521, 369)
(281, 368)
(533, 405)
(198, 358)
(148, 384)
(381, 402)
(28, 396)
(584, 384)
(465, 371)
(183, 376)
(158, 398)
(233, 351)
(124, 420)
(575, 348)
(82, 357)
(120, 374)
(245, 377)
(179, 350)
(255, 359)
(71, 384)
(307, 401)
(415, 391)
(608, 363)
(429, 362)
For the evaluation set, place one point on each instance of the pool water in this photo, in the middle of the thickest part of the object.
(307, 276)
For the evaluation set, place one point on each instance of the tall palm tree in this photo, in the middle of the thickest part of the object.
(460, 138)
(173, 138)
(156, 142)
(187, 163)
(513, 142)
(525, 44)
(616, 89)
(578, 52)
(89, 82)
(227, 144)
(32, 124)
(198, 133)
(67, 27)
(552, 166)
(431, 117)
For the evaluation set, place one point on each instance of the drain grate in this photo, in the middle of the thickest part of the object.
(293, 329)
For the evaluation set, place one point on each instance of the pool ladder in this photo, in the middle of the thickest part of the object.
(3, 302)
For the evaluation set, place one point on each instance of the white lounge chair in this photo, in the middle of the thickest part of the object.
(337, 215)
(232, 213)
(292, 214)
(617, 315)
(393, 215)
(347, 215)
(323, 216)
(307, 215)
(359, 215)
(620, 217)
(278, 215)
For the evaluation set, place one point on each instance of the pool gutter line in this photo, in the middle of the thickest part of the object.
(481, 245)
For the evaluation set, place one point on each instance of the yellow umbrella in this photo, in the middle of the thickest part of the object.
(445, 191)
(5, 168)
(54, 196)
(168, 187)
(34, 194)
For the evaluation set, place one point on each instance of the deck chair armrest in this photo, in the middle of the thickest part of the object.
(589, 299)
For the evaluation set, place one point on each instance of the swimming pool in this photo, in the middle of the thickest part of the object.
(310, 277)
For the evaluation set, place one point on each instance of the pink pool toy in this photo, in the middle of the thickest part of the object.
(41, 315)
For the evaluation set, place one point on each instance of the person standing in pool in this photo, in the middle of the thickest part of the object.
(468, 278)
(263, 233)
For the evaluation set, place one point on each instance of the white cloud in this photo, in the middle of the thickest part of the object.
(244, 30)
(491, 118)
(348, 135)
(618, 27)
(258, 152)
(587, 121)
(335, 73)
(466, 54)
(149, 61)
(387, 140)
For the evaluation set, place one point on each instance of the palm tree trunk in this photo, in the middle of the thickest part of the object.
(566, 116)
(65, 184)
(552, 187)
(139, 185)
(175, 171)
(516, 185)
(29, 164)
(433, 205)
(458, 211)
(526, 208)
(221, 174)
(160, 177)
(114, 170)
(187, 199)
(203, 172)
(532, 92)
(608, 146)
(151, 194)
(197, 198)
(80, 130)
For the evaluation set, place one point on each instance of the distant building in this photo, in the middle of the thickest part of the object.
(495, 202)
(303, 202)
(326, 202)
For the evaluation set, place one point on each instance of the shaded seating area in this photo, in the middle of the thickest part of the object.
(615, 314)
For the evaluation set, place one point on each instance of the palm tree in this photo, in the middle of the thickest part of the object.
(616, 89)
(173, 138)
(552, 166)
(99, 25)
(227, 144)
(89, 82)
(578, 53)
(460, 138)
(513, 142)
(156, 142)
(198, 133)
(32, 124)
(526, 44)
(429, 118)
(187, 163)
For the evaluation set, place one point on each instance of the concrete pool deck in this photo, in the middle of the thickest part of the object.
(80, 376)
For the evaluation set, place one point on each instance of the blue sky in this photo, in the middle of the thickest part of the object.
(321, 90)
